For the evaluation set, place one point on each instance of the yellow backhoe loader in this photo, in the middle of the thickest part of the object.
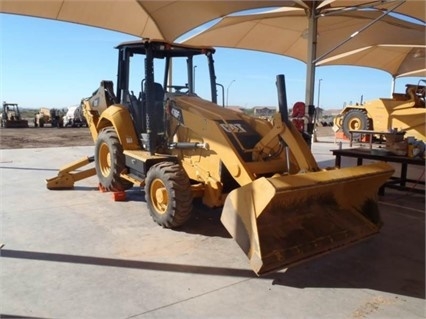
(278, 204)
(11, 116)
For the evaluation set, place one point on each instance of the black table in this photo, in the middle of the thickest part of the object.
(370, 133)
(397, 182)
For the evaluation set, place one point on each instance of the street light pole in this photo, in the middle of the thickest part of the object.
(319, 92)
(223, 93)
(193, 78)
(227, 91)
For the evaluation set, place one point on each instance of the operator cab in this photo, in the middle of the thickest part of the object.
(165, 69)
(165, 57)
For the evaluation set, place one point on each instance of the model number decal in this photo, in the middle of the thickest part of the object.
(233, 128)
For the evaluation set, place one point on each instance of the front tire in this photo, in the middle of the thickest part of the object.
(109, 161)
(168, 194)
(355, 120)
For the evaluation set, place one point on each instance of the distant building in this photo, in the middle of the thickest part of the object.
(331, 112)
(264, 111)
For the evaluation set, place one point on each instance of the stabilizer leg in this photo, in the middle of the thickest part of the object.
(66, 177)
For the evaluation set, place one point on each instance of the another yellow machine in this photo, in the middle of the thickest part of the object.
(48, 116)
(404, 111)
(11, 116)
(42, 117)
(279, 205)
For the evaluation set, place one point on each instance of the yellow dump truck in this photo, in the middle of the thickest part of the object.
(278, 204)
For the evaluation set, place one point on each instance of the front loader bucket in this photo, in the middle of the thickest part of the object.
(17, 124)
(281, 221)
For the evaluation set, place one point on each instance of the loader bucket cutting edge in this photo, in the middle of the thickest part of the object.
(281, 221)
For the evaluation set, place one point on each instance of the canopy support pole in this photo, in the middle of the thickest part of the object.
(310, 64)
(393, 85)
(312, 51)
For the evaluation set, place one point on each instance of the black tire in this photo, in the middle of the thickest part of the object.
(168, 194)
(109, 161)
(355, 120)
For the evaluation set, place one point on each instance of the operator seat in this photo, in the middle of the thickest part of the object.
(157, 117)
(159, 106)
(134, 106)
(158, 92)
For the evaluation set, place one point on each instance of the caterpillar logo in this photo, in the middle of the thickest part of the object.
(233, 128)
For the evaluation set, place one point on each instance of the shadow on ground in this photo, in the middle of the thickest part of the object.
(392, 261)
(203, 221)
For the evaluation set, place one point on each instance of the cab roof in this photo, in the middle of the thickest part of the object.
(163, 48)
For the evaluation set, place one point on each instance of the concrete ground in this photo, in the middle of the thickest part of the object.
(78, 254)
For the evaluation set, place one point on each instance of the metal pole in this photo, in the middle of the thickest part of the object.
(223, 94)
(314, 134)
(312, 51)
(193, 78)
(319, 92)
(227, 91)
(393, 85)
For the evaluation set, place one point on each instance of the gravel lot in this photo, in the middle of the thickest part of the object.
(12, 138)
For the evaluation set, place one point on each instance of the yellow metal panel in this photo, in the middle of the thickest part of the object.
(120, 118)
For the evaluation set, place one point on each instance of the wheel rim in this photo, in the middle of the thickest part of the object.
(355, 124)
(159, 196)
(104, 160)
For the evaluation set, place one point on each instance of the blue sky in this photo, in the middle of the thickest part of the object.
(46, 63)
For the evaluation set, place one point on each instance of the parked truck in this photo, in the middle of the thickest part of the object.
(74, 117)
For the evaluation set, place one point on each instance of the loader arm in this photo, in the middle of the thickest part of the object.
(293, 141)
(237, 143)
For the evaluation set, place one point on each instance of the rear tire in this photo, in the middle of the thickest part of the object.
(355, 120)
(110, 162)
(168, 194)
